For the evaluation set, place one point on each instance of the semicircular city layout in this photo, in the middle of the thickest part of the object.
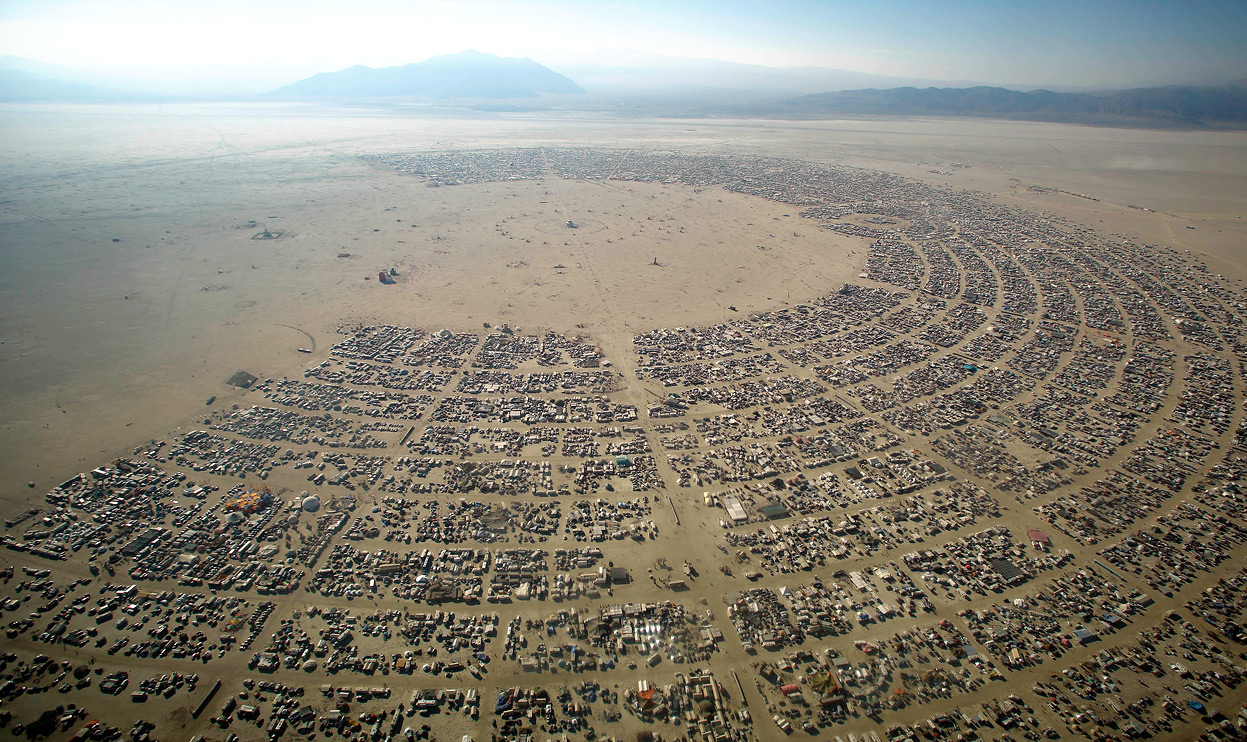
(660, 443)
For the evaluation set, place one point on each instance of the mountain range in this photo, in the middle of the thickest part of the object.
(643, 84)
(34, 82)
(468, 74)
(1172, 104)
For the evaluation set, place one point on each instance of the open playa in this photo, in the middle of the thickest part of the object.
(85, 368)
(604, 335)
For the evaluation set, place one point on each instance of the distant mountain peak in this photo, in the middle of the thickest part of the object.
(466, 74)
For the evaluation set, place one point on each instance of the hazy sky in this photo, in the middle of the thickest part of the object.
(1077, 42)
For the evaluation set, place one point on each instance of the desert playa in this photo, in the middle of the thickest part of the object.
(186, 293)
(560, 425)
(178, 189)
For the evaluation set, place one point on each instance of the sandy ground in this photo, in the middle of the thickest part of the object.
(108, 344)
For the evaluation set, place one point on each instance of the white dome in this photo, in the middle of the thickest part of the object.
(311, 504)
